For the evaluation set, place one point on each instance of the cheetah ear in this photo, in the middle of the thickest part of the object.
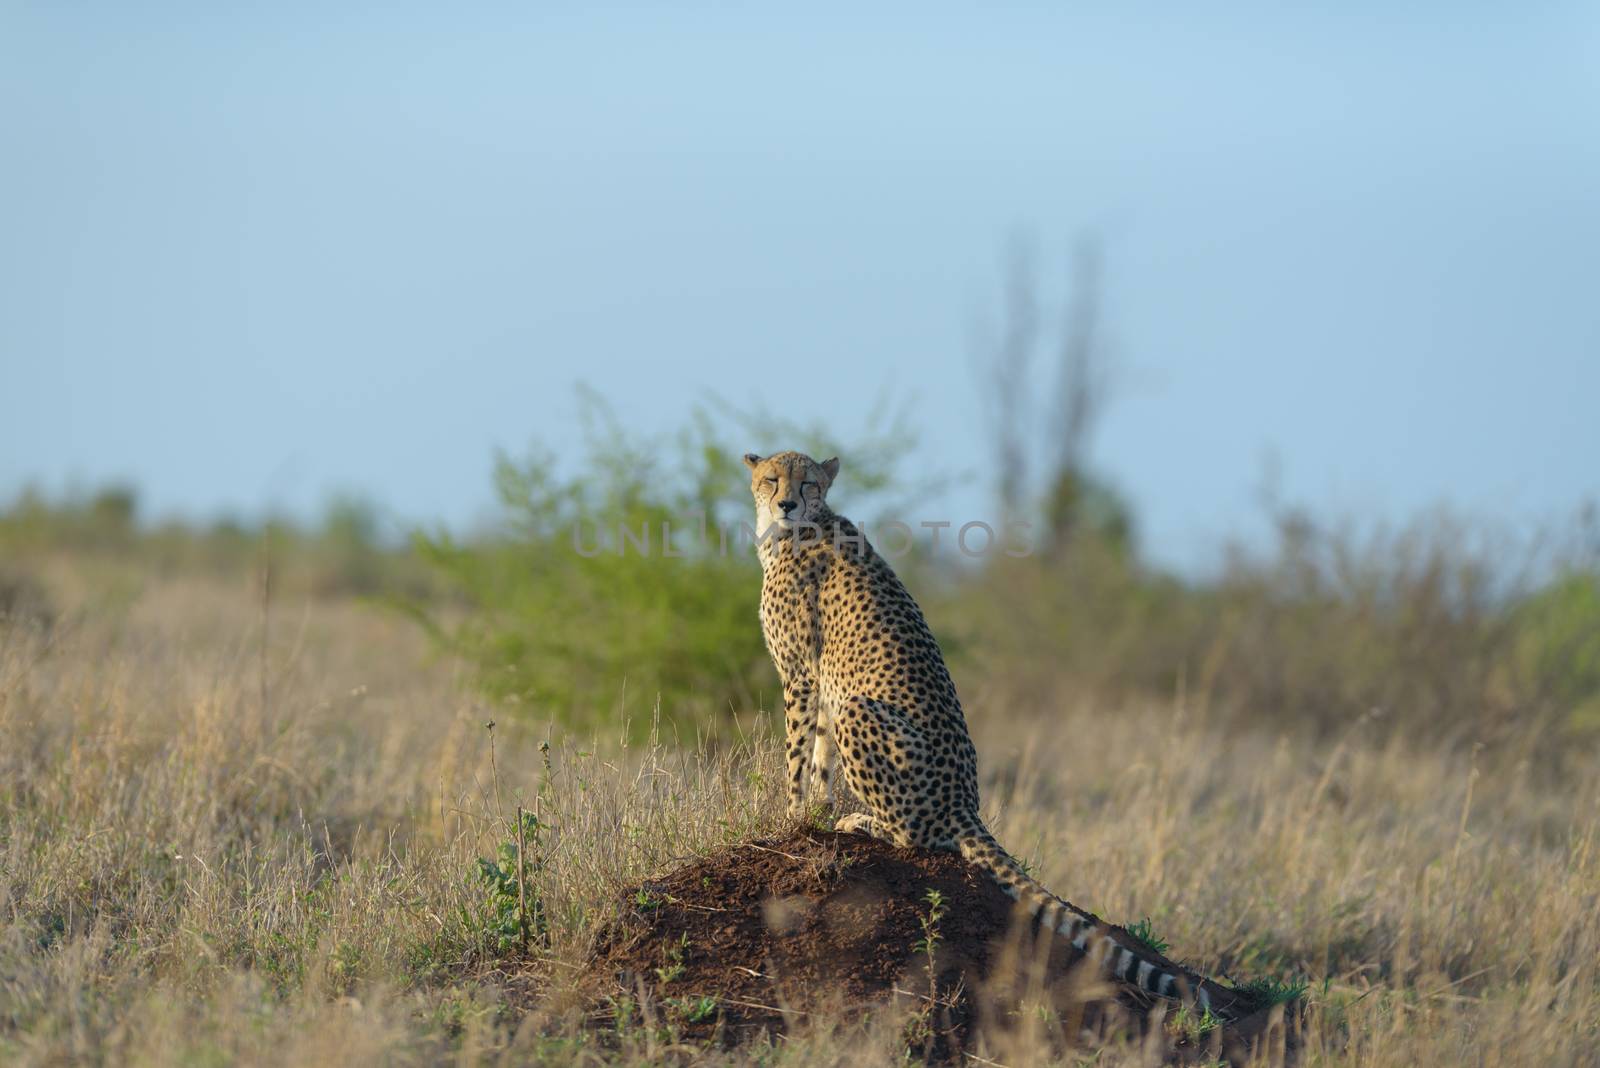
(832, 467)
(751, 459)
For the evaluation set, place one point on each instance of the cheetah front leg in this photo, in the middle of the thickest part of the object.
(823, 756)
(799, 729)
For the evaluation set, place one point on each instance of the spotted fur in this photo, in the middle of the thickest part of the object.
(865, 686)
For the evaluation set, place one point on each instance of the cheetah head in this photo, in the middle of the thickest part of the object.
(790, 489)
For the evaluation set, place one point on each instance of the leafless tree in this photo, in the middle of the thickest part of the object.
(1083, 382)
(1005, 360)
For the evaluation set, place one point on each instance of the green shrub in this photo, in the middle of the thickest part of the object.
(1558, 646)
(1437, 629)
(574, 611)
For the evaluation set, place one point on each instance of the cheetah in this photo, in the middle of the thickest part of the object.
(865, 686)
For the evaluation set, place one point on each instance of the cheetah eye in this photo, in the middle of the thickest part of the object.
(770, 481)
(807, 485)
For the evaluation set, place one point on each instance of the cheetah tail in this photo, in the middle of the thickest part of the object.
(1126, 962)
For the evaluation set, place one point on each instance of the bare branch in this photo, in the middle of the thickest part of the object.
(1004, 363)
(1084, 382)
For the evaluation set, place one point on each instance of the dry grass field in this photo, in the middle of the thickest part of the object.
(217, 850)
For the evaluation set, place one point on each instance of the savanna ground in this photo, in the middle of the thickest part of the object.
(224, 842)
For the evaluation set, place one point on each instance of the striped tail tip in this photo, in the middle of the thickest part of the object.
(1126, 965)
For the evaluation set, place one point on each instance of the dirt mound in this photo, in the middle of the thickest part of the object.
(767, 934)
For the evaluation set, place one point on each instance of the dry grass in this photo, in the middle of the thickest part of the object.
(188, 875)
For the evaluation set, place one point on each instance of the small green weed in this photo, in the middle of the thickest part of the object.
(674, 952)
(512, 901)
(919, 1030)
(1187, 1024)
(1143, 933)
(1275, 991)
(694, 1009)
(930, 926)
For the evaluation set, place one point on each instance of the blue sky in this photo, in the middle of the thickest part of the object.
(252, 257)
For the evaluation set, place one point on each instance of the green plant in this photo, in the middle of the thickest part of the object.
(1188, 1024)
(1275, 991)
(694, 1009)
(674, 954)
(1558, 646)
(919, 1029)
(929, 921)
(512, 904)
(1145, 935)
(623, 1009)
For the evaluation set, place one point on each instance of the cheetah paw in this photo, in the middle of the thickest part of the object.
(857, 823)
